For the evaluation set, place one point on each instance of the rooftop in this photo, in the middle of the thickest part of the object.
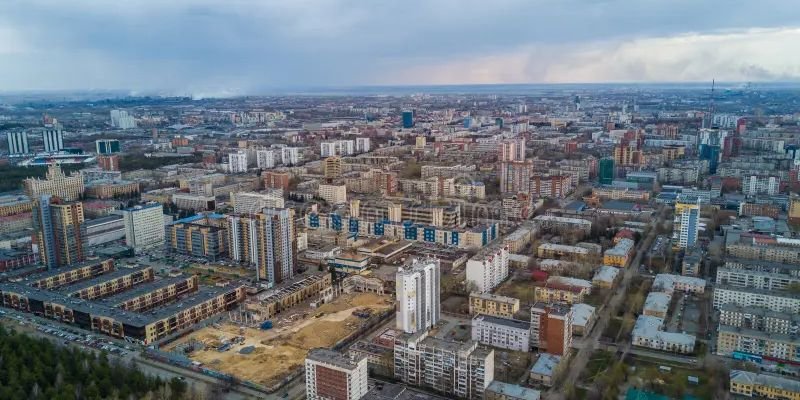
(775, 382)
(546, 364)
(606, 273)
(581, 313)
(330, 357)
(650, 327)
(621, 249)
(511, 323)
(657, 301)
(513, 391)
(143, 288)
(107, 277)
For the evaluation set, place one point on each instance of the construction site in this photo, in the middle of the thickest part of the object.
(270, 351)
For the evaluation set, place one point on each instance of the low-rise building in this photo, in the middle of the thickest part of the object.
(504, 333)
(751, 384)
(759, 318)
(583, 319)
(648, 332)
(562, 224)
(775, 346)
(491, 304)
(559, 293)
(620, 254)
(605, 277)
(505, 391)
(657, 304)
(546, 369)
(669, 283)
(748, 297)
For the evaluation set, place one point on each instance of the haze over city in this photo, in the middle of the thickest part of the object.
(205, 48)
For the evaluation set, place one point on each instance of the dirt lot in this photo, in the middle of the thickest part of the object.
(279, 350)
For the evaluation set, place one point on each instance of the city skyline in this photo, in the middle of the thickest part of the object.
(197, 48)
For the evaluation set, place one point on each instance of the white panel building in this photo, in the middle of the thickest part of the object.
(418, 304)
(488, 269)
(504, 333)
(237, 162)
(144, 227)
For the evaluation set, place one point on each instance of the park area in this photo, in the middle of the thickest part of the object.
(268, 356)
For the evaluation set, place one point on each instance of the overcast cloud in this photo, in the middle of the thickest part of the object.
(243, 46)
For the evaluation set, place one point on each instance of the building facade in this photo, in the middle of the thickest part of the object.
(418, 296)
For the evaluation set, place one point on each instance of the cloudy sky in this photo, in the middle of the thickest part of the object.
(249, 46)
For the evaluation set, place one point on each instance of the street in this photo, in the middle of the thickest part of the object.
(581, 358)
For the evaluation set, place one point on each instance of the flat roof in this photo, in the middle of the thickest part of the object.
(61, 270)
(494, 297)
(657, 301)
(511, 323)
(650, 327)
(109, 276)
(775, 382)
(327, 356)
(143, 288)
(514, 391)
(581, 313)
(546, 364)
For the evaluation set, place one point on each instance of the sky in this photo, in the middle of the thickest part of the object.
(234, 47)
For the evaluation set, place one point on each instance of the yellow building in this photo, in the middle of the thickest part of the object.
(620, 254)
(332, 167)
(751, 384)
(557, 293)
(794, 209)
(490, 304)
(56, 183)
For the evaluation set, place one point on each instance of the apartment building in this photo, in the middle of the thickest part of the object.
(504, 333)
(669, 283)
(144, 227)
(614, 193)
(751, 384)
(750, 297)
(455, 171)
(56, 278)
(657, 304)
(648, 332)
(515, 176)
(562, 225)
(554, 250)
(517, 207)
(551, 327)
(494, 305)
(250, 202)
(759, 318)
(186, 201)
(148, 296)
(773, 346)
(765, 248)
(265, 240)
(331, 375)
(560, 293)
(197, 239)
(455, 369)
(418, 300)
(60, 231)
(619, 255)
(487, 269)
(754, 279)
(109, 283)
(333, 194)
(550, 186)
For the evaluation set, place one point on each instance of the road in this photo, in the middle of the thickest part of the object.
(581, 358)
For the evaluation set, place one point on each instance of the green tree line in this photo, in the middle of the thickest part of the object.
(34, 369)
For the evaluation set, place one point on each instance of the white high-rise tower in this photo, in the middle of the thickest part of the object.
(418, 296)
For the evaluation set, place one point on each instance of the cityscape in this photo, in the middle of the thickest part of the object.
(457, 229)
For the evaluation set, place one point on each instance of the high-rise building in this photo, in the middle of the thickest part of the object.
(265, 240)
(331, 375)
(327, 149)
(108, 162)
(237, 162)
(458, 370)
(122, 120)
(686, 225)
(418, 302)
(276, 180)
(265, 159)
(144, 227)
(487, 269)
(362, 145)
(291, 155)
(420, 143)
(53, 138)
(107, 146)
(333, 194)
(17, 142)
(408, 119)
(332, 167)
(251, 203)
(551, 328)
(606, 172)
(512, 150)
(67, 188)
(60, 231)
(515, 176)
